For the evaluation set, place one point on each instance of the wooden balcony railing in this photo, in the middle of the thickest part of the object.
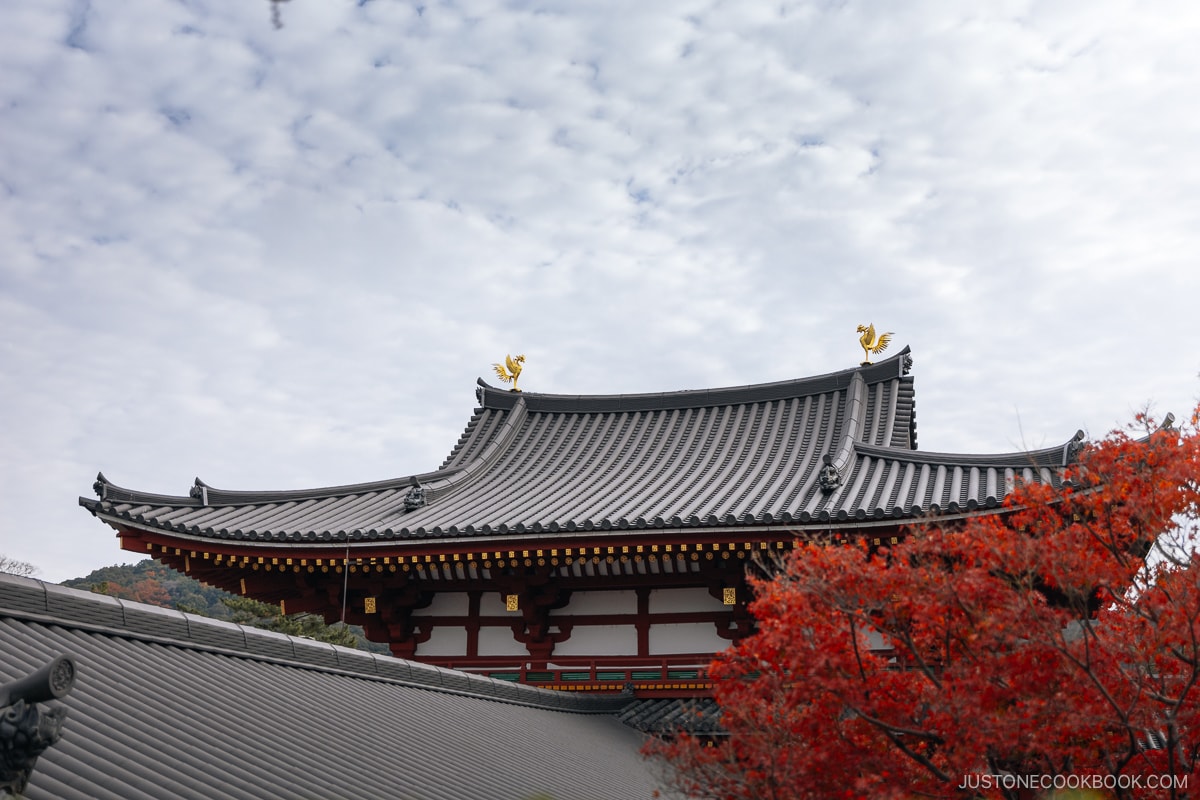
(676, 674)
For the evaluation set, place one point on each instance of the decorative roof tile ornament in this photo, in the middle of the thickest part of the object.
(415, 498)
(829, 479)
(199, 491)
(872, 345)
(512, 372)
(1073, 448)
(100, 487)
(26, 729)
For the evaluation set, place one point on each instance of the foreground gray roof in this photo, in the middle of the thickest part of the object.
(533, 464)
(173, 705)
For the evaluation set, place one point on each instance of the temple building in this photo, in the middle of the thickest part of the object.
(585, 542)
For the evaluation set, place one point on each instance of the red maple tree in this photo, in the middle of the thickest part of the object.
(147, 590)
(1004, 656)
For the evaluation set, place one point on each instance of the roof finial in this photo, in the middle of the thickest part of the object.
(29, 729)
(872, 345)
(512, 373)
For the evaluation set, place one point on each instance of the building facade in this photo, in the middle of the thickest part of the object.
(590, 541)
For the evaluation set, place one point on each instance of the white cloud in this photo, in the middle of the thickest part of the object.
(279, 258)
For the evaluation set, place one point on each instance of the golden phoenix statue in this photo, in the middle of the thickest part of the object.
(512, 372)
(872, 344)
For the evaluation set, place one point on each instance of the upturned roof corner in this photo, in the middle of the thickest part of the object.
(533, 464)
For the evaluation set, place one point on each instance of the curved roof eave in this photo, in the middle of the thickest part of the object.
(1057, 456)
(442, 539)
(202, 494)
(491, 495)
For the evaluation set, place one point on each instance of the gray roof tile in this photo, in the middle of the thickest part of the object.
(160, 712)
(530, 464)
(662, 715)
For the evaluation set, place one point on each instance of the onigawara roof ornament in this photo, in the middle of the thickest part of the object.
(829, 479)
(26, 728)
(513, 372)
(872, 345)
(415, 498)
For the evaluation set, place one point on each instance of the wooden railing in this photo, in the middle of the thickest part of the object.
(680, 674)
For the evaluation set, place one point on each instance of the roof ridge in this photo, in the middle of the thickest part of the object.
(852, 427)
(41, 601)
(205, 495)
(502, 438)
(1059, 455)
(842, 451)
(466, 474)
(497, 398)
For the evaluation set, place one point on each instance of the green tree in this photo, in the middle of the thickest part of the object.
(154, 583)
(246, 611)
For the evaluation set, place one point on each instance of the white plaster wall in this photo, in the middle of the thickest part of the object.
(599, 640)
(447, 604)
(692, 637)
(623, 602)
(444, 641)
(664, 601)
(499, 642)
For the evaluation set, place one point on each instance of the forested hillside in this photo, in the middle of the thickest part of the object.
(151, 582)
(154, 583)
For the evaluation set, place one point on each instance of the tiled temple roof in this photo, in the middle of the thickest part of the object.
(835, 448)
(167, 704)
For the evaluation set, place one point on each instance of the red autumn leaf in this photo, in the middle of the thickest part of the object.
(1034, 642)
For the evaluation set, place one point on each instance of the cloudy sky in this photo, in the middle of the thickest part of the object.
(279, 258)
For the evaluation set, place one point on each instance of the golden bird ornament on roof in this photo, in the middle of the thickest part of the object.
(872, 345)
(510, 370)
